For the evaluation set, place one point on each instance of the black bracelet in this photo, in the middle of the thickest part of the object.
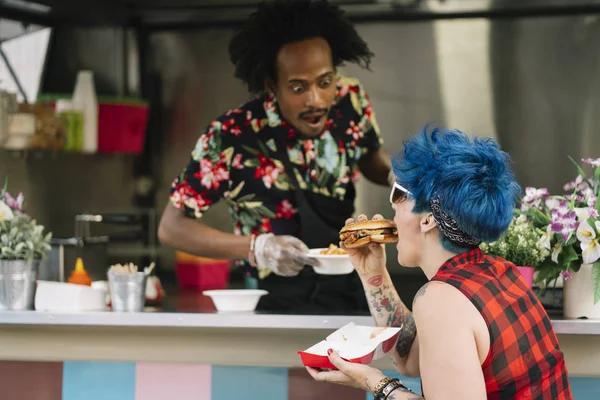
(382, 393)
(396, 387)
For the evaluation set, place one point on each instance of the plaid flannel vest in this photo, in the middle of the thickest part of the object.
(525, 361)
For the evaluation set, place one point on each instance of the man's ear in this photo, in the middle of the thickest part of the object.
(427, 222)
(270, 86)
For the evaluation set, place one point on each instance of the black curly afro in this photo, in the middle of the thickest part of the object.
(254, 47)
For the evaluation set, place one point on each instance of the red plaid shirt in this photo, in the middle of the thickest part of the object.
(525, 361)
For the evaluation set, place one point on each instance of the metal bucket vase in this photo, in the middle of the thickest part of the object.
(17, 284)
(579, 295)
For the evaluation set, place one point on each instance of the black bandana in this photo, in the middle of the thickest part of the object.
(449, 228)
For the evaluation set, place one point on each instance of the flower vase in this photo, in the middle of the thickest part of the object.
(17, 284)
(527, 273)
(579, 295)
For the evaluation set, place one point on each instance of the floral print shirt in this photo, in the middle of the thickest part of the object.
(235, 160)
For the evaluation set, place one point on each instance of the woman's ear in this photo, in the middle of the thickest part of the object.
(427, 222)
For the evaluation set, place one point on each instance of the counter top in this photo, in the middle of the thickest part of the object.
(228, 320)
(186, 328)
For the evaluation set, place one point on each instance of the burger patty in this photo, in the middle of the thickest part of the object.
(353, 236)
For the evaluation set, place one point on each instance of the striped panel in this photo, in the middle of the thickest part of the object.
(412, 383)
(157, 381)
(302, 386)
(23, 380)
(585, 388)
(249, 383)
(98, 381)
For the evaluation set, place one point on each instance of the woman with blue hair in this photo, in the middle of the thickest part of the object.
(476, 331)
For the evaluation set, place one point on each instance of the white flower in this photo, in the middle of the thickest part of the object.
(546, 237)
(5, 211)
(590, 248)
(583, 213)
(555, 252)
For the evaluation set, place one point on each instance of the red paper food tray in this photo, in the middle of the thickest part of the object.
(354, 343)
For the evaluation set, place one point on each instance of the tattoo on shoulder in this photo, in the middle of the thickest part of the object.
(421, 291)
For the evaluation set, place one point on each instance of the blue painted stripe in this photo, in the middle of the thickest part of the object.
(585, 388)
(98, 381)
(249, 383)
(412, 383)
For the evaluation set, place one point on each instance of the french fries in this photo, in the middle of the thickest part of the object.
(333, 250)
(127, 269)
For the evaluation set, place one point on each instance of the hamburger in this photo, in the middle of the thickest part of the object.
(360, 234)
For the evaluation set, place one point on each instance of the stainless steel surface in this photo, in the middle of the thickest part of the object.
(230, 320)
(127, 291)
(64, 253)
(17, 284)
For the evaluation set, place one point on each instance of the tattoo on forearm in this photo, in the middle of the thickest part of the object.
(386, 307)
(406, 337)
(388, 310)
(376, 280)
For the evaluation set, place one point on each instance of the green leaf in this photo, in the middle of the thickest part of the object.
(250, 150)
(246, 198)
(252, 163)
(264, 211)
(580, 171)
(596, 280)
(262, 148)
(567, 256)
(596, 179)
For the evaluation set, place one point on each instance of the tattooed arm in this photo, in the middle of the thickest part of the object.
(388, 310)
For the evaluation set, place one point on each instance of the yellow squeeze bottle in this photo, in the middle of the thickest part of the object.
(79, 276)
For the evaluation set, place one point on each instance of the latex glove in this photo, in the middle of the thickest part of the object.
(284, 255)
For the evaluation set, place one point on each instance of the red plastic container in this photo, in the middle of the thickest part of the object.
(201, 273)
(121, 123)
(121, 127)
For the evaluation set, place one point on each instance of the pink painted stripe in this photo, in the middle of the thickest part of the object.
(158, 381)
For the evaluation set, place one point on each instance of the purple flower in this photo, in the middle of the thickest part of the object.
(573, 184)
(533, 197)
(16, 204)
(595, 162)
(566, 275)
(593, 213)
(562, 222)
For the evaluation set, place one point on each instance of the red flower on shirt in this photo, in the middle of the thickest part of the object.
(285, 210)
(267, 171)
(212, 174)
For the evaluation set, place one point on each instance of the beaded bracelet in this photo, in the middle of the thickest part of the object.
(381, 386)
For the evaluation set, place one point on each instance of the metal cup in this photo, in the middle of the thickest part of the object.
(17, 284)
(127, 291)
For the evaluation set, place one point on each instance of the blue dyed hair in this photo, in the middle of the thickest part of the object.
(471, 177)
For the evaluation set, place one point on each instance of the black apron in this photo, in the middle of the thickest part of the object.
(321, 219)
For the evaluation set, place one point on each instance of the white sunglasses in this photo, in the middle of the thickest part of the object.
(398, 194)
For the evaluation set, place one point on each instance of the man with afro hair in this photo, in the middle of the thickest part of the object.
(286, 161)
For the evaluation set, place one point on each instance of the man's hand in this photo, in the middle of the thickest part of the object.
(284, 255)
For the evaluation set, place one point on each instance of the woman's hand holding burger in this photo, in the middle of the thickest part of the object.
(367, 254)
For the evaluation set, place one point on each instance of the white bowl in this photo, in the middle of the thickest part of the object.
(60, 296)
(235, 299)
(331, 264)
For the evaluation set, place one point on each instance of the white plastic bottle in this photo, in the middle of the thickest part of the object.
(84, 100)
